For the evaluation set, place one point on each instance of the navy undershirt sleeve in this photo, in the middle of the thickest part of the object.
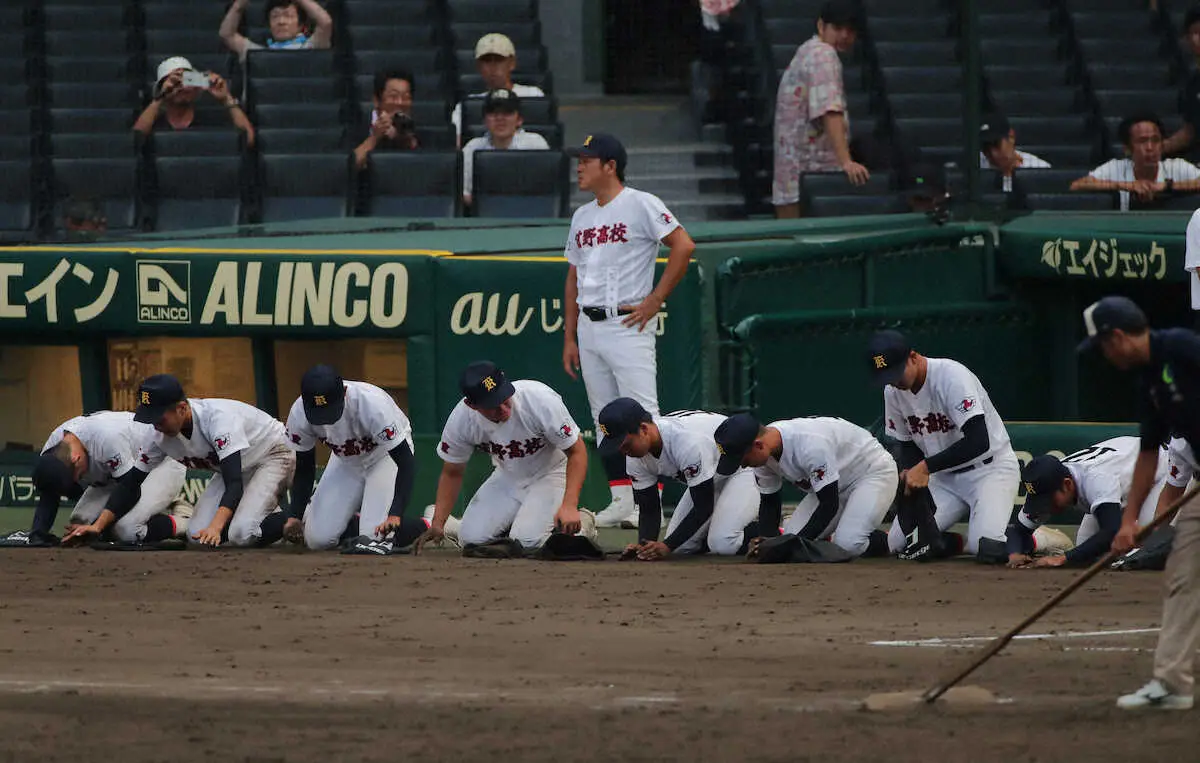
(1108, 516)
(827, 507)
(649, 505)
(231, 474)
(974, 443)
(406, 469)
(770, 511)
(128, 492)
(704, 497)
(1018, 538)
(302, 484)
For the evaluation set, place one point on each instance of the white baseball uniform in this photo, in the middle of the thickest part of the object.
(1103, 474)
(221, 428)
(932, 420)
(521, 497)
(689, 455)
(360, 476)
(112, 439)
(819, 451)
(1181, 463)
(614, 249)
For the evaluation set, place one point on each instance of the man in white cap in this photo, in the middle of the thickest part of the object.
(173, 105)
(294, 25)
(496, 59)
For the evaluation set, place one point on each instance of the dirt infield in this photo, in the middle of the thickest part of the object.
(276, 656)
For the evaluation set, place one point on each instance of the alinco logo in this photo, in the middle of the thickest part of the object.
(164, 291)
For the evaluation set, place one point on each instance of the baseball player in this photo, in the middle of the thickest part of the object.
(1094, 480)
(848, 477)
(539, 460)
(717, 512)
(89, 458)
(370, 471)
(611, 300)
(245, 447)
(953, 442)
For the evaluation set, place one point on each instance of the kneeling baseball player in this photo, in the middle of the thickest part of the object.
(540, 464)
(849, 479)
(91, 459)
(1095, 481)
(717, 513)
(370, 471)
(243, 445)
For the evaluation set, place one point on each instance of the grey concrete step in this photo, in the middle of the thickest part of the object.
(702, 182)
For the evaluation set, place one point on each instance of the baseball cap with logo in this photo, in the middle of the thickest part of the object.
(993, 130)
(888, 351)
(734, 437)
(155, 396)
(617, 420)
(601, 146)
(171, 64)
(495, 44)
(484, 385)
(323, 394)
(1109, 314)
(1043, 476)
(502, 100)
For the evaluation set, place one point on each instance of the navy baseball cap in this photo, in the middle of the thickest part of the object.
(888, 351)
(484, 385)
(323, 394)
(993, 130)
(1043, 476)
(601, 146)
(734, 437)
(50, 475)
(617, 420)
(1109, 314)
(502, 100)
(157, 395)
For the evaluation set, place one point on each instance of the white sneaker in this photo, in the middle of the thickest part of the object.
(181, 512)
(450, 531)
(622, 512)
(587, 524)
(1154, 696)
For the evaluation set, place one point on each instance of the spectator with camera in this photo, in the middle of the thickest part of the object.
(177, 89)
(495, 59)
(392, 128)
(1143, 172)
(502, 117)
(294, 25)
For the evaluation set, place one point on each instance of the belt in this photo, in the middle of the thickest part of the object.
(966, 469)
(601, 313)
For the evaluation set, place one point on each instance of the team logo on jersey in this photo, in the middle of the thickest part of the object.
(221, 442)
(664, 218)
(113, 463)
(295, 438)
(445, 447)
(565, 430)
(892, 424)
(144, 457)
(1029, 488)
(819, 472)
(388, 433)
(691, 471)
(967, 405)
(617, 233)
(1174, 470)
(163, 291)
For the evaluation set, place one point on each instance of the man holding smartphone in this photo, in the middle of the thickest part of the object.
(176, 90)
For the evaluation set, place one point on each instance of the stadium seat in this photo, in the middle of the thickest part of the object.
(295, 90)
(1119, 103)
(498, 10)
(107, 120)
(197, 192)
(834, 206)
(307, 115)
(1047, 100)
(290, 64)
(114, 182)
(1020, 52)
(196, 143)
(14, 97)
(837, 184)
(16, 196)
(104, 69)
(1014, 25)
(910, 28)
(527, 58)
(86, 43)
(922, 79)
(304, 140)
(520, 184)
(390, 13)
(91, 95)
(1019, 77)
(14, 147)
(1048, 181)
(426, 62)
(402, 38)
(473, 83)
(533, 110)
(96, 145)
(524, 34)
(552, 133)
(1072, 201)
(437, 137)
(416, 184)
(934, 53)
(303, 186)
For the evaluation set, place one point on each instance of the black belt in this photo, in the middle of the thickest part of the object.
(601, 313)
(966, 469)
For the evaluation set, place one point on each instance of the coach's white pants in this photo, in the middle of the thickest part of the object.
(263, 486)
(1088, 525)
(348, 488)
(735, 507)
(159, 490)
(504, 507)
(984, 496)
(863, 503)
(618, 361)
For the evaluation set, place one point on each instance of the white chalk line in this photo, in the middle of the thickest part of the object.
(968, 642)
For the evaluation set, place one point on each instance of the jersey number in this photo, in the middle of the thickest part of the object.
(1088, 454)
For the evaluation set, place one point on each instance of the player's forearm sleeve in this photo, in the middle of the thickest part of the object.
(827, 507)
(908, 455)
(704, 496)
(128, 492)
(302, 484)
(770, 511)
(649, 513)
(406, 470)
(1108, 516)
(974, 443)
(46, 512)
(1018, 538)
(231, 474)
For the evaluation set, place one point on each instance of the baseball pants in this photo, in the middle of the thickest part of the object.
(984, 496)
(736, 506)
(1088, 525)
(264, 484)
(159, 490)
(618, 361)
(524, 511)
(1180, 635)
(863, 504)
(348, 488)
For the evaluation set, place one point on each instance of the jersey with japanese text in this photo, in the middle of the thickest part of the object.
(689, 450)
(818, 451)
(111, 439)
(371, 425)
(220, 428)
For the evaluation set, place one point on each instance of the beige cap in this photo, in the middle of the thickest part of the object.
(171, 64)
(495, 44)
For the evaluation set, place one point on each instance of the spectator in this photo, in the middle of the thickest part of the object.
(288, 21)
(502, 116)
(392, 129)
(1143, 172)
(84, 220)
(998, 150)
(1185, 136)
(812, 130)
(495, 58)
(713, 12)
(173, 105)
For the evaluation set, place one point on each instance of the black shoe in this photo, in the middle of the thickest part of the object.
(919, 550)
(505, 548)
(365, 546)
(30, 539)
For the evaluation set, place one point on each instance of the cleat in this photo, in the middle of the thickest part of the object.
(1154, 696)
(366, 546)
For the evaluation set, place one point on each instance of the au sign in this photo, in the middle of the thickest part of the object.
(480, 313)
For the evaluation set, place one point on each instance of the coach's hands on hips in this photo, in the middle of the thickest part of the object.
(1125, 538)
(915, 477)
(567, 520)
(644, 312)
(571, 357)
